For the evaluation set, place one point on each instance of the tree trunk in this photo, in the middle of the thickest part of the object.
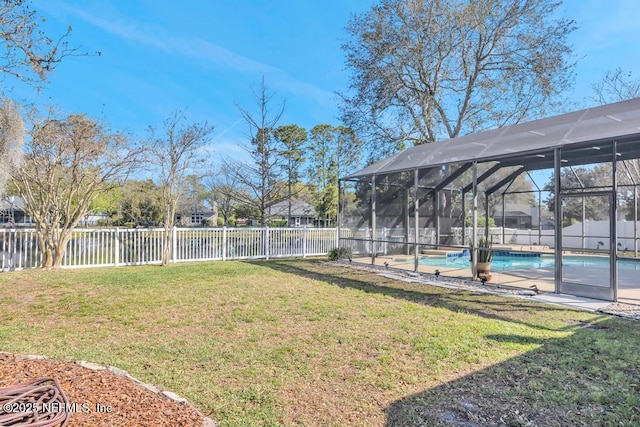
(169, 224)
(60, 249)
(167, 247)
(47, 252)
(47, 258)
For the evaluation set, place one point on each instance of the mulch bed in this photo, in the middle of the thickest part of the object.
(129, 403)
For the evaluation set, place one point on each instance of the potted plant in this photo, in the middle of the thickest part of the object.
(485, 255)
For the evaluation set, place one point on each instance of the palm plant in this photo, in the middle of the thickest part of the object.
(485, 251)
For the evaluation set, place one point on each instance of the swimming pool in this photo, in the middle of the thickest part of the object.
(520, 261)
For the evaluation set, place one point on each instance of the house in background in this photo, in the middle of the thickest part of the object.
(302, 213)
(93, 219)
(12, 212)
(192, 214)
(523, 217)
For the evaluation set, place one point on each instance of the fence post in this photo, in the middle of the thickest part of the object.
(224, 243)
(174, 245)
(116, 261)
(4, 250)
(266, 242)
(304, 242)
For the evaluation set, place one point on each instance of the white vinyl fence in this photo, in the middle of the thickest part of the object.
(130, 246)
(591, 235)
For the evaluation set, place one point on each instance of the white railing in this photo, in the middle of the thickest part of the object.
(18, 249)
(129, 246)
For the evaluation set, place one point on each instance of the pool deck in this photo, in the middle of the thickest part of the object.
(541, 278)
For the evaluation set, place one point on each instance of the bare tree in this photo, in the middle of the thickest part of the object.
(176, 152)
(67, 164)
(616, 85)
(427, 70)
(261, 174)
(27, 53)
(221, 192)
(12, 133)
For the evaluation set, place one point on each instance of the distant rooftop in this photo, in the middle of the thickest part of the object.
(12, 202)
(298, 208)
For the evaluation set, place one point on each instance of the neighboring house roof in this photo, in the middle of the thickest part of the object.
(96, 215)
(514, 214)
(298, 208)
(12, 202)
(515, 210)
(188, 206)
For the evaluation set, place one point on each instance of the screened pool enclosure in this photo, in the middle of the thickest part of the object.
(556, 197)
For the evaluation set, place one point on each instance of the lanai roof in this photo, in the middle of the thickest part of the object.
(584, 136)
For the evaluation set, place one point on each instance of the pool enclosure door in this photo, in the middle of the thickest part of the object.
(588, 257)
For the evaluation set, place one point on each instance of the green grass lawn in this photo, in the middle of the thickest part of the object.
(308, 343)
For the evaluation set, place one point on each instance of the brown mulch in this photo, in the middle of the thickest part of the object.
(129, 403)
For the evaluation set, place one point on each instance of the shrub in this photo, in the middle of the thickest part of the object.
(485, 250)
(340, 253)
(482, 222)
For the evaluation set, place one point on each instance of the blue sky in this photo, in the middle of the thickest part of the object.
(207, 55)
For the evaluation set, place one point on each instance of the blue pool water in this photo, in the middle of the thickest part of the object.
(519, 261)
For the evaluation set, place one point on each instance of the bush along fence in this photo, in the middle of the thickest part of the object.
(131, 246)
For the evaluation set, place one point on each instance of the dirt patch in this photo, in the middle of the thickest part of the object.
(100, 398)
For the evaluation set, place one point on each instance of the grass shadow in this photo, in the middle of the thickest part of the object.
(590, 377)
(484, 305)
